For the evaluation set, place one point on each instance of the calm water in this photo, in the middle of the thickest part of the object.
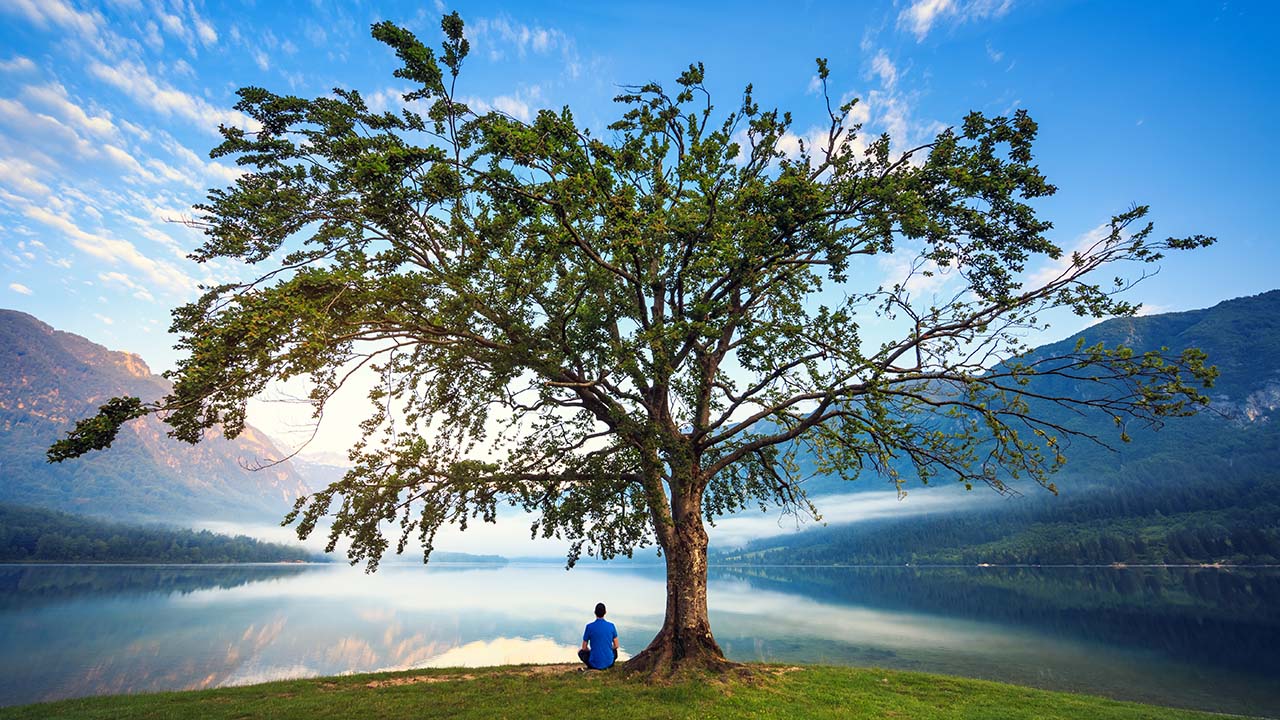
(1196, 638)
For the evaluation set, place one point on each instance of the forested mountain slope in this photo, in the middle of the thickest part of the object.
(35, 535)
(49, 379)
(1200, 489)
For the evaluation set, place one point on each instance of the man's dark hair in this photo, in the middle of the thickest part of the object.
(599, 609)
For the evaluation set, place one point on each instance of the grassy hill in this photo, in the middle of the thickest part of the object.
(562, 692)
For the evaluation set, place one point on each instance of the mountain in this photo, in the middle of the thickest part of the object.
(49, 379)
(1199, 489)
(30, 534)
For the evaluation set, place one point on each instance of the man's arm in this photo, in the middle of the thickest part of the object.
(584, 644)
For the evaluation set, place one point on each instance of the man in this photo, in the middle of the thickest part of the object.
(599, 642)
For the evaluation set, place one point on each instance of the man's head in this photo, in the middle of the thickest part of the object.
(599, 609)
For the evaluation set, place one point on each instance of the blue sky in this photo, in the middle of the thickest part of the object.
(108, 110)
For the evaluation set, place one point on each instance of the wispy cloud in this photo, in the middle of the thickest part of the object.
(17, 64)
(20, 288)
(520, 105)
(921, 16)
(838, 509)
(1054, 269)
(498, 36)
(884, 68)
(21, 176)
(136, 81)
(55, 98)
(113, 250)
(55, 13)
(123, 280)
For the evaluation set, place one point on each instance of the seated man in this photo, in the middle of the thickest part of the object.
(599, 642)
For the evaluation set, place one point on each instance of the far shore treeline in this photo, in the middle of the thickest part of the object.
(35, 535)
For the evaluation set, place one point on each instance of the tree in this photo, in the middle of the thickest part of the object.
(629, 337)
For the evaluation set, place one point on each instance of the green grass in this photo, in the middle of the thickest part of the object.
(542, 692)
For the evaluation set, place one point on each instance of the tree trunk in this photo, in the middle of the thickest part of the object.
(685, 641)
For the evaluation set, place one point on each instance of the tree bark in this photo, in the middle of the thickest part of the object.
(685, 641)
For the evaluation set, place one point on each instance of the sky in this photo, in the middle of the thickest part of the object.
(108, 111)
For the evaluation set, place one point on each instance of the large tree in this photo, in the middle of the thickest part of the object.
(630, 335)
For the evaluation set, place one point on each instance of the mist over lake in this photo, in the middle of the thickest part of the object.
(1198, 638)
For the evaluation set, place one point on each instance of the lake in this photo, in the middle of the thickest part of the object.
(1198, 638)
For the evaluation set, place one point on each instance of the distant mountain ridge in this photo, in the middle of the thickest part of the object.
(50, 378)
(1201, 489)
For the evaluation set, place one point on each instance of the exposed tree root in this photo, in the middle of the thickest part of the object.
(672, 656)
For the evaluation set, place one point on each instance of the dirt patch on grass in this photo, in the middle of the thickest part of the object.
(417, 679)
(533, 670)
(527, 671)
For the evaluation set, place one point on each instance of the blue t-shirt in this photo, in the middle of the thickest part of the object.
(600, 635)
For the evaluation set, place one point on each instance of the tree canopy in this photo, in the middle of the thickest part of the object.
(626, 333)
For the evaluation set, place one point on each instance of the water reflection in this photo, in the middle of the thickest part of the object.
(1205, 639)
(25, 586)
(1203, 615)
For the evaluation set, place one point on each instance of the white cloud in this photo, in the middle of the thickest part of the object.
(55, 97)
(921, 15)
(503, 32)
(522, 105)
(883, 67)
(119, 278)
(170, 173)
(17, 64)
(45, 13)
(113, 250)
(208, 36)
(58, 14)
(1053, 269)
(152, 36)
(737, 530)
(123, 159)
(497, 36)
(210, 172)
(173, 25)
(512, 106)
(915, 274)
(135, 81)
(315, 33)
(20, 288)
(136, 130)
(386, 99)
(21, 175)
(40, 129)
(104, 319)
(814, 140)
(860, 113)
